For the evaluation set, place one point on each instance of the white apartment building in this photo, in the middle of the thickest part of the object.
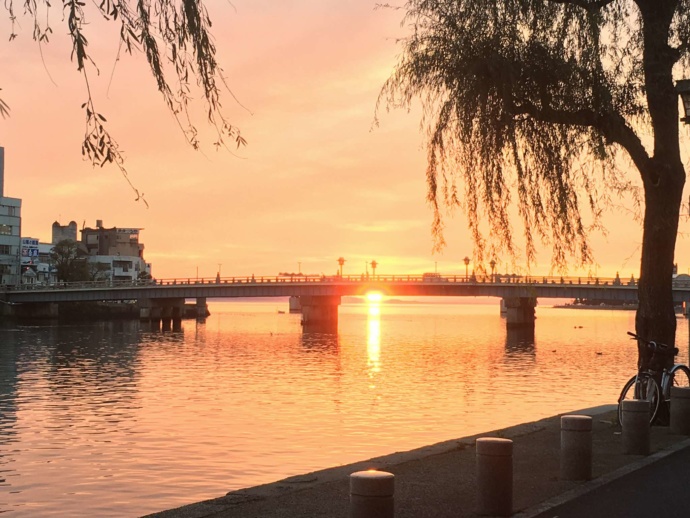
(10, 232)
(118, 248)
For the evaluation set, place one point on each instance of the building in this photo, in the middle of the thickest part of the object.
(29, 260)
(10, 232)
(62, 232)
(118, 249)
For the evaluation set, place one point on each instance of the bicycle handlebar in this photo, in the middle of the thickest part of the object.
(656, 347)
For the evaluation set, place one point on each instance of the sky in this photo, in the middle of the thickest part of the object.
(316, 182)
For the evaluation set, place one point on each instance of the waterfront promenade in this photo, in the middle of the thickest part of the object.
(439, 481)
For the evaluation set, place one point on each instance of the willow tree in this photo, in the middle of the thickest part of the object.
(546, 106)
(174, 37)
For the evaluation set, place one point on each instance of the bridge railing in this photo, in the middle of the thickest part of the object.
(496, 279)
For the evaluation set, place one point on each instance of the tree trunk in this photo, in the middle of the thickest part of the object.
(663, 178)
(656, 319)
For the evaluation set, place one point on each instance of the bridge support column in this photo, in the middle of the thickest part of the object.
(155, 312)
(294, 305)
(166, 318)
(144, 309)
(177, 312)
(520, 311)
(320, 313)
(201, 308)
(171, 311)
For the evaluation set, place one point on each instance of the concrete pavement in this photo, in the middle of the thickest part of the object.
(439, 481)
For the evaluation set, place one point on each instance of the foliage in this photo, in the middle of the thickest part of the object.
(536, 102)
(98, 271)
(530, 102)
(70, 261)
(174, 37)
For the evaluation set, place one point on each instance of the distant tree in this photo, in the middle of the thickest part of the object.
(144, 276)
(174, 37)
(70, 261)
(536, 102)
(98, 271)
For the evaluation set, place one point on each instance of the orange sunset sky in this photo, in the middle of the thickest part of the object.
(315, 182)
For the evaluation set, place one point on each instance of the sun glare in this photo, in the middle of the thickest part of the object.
(374, 297)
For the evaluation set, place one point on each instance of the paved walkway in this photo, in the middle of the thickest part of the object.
(439, 481)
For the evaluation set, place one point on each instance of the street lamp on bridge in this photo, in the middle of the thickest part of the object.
(466, 260)
(374, 264)
(492, 263)
(341, 262)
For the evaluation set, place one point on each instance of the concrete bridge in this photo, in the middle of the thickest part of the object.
(320, 296)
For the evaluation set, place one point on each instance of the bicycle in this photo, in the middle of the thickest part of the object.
(644, 385)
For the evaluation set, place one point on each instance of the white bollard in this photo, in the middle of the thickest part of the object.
(494, 476)
(371, 494)
(635, 432)
(576, 447)
(680, 411)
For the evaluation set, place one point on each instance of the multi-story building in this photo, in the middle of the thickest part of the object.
(10, 232)
(62, 232)
(118, 248)
(29, 260)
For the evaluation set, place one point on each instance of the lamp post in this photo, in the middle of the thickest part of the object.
(466, 260)
(683, 89)
(492, 263)
(374, 264)
(341, 262)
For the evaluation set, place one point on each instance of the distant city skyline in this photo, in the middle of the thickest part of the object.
(316, 182)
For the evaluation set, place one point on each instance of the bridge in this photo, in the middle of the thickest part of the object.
(319, 296)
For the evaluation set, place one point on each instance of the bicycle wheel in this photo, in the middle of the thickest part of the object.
(642, 386)
(679, 377)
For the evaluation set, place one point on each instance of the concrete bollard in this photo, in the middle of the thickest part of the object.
(576, 447)
(635, 433)
(680, 410)
(494, 476)
(371, 494)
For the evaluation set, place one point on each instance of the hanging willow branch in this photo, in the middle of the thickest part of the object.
(527, 106)
(175, 38)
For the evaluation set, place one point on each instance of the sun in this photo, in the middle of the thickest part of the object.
(374, 297)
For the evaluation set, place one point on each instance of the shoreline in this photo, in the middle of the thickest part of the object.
(440, 480)
(596, 306)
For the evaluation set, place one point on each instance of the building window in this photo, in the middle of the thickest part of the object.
(11, 211)
(5, 230)
(5, 250)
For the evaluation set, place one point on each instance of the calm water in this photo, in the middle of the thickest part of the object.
(110, 419)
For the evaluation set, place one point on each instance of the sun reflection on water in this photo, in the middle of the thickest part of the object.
(374, 334)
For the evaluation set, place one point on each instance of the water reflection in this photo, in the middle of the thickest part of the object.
(8, 407)
(320, 342)
(520, 342)
(110, 420)
(374, 339)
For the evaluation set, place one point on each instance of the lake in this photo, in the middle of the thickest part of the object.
(112, 419)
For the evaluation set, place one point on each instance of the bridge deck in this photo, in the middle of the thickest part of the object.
(282, 286)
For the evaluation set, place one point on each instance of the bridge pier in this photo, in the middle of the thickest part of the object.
(166, 318)
(294, 305)
(201, 308)
(162, 313)
(177, 312)
(520, 311)
(320, 313)
(155, 313)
